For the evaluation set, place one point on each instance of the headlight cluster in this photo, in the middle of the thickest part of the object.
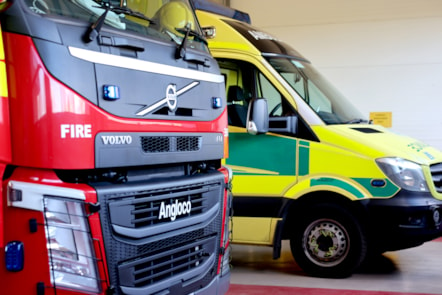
(69, 245)
(405, 174)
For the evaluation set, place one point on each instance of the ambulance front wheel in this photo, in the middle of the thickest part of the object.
(328, 242)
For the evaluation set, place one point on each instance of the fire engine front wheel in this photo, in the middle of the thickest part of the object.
(329, 242)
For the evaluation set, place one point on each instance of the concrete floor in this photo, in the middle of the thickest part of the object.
(412, 271)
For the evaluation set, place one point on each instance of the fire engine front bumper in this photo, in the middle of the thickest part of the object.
(219, 286)
(406, 220)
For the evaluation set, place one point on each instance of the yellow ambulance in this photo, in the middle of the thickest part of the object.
(309, 168)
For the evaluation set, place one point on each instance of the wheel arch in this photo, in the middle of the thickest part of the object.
(295, 209)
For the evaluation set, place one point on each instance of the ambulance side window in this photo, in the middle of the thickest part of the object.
(238, 91)
(274, 98)
(244, 82)
(278, 106)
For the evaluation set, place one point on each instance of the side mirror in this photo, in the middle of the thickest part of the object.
(257, 116)
(209, 32)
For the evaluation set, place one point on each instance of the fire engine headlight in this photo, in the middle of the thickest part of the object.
(405, 174)
(70, 246)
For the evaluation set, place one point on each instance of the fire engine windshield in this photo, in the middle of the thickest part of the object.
(172, 20)
(330, 105)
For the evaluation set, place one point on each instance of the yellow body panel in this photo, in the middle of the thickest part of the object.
(341, 160)
(225, 37)
(249, 230)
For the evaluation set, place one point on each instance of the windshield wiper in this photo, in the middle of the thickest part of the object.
(187, 31)
(95, 28)
(128, 11)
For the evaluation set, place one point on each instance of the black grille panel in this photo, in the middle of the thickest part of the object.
(156, 270)
(153, 212)
(147, 254)
(146, 213)
(188, 143)
(166, 144)
(162, 267)
(436, 174)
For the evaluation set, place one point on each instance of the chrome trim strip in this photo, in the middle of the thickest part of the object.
(141, 65)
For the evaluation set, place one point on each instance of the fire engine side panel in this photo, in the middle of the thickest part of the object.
(5, 147)
(40, 109)
(34, 244)
(28, 227)
(35, 252)
(5, 129)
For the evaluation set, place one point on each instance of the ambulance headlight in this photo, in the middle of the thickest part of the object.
(70, 246)
(405, 174)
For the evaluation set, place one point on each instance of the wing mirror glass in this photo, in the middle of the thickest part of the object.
(258, 116)
(209, 32)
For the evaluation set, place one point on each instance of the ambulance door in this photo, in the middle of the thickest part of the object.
(265, 165)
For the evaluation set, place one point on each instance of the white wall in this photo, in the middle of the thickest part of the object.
(384, 55)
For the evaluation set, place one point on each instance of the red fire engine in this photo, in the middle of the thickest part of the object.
(113, 128)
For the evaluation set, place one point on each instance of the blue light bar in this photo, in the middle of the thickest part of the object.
(14, 256)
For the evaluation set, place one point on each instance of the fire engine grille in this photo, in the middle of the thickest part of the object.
(436, 174)
(146, 213)
(146, 254)
(165, 144)
(157, 269)
(151, 212)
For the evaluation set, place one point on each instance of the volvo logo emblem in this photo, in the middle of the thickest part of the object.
(171, 97)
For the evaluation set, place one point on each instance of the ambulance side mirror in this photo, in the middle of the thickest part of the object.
(209, 32)
(258, 116)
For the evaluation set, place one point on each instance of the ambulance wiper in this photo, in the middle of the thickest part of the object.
(95, 28)
(187, 31)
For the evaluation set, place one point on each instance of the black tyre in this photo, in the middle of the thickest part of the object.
(328, 242)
